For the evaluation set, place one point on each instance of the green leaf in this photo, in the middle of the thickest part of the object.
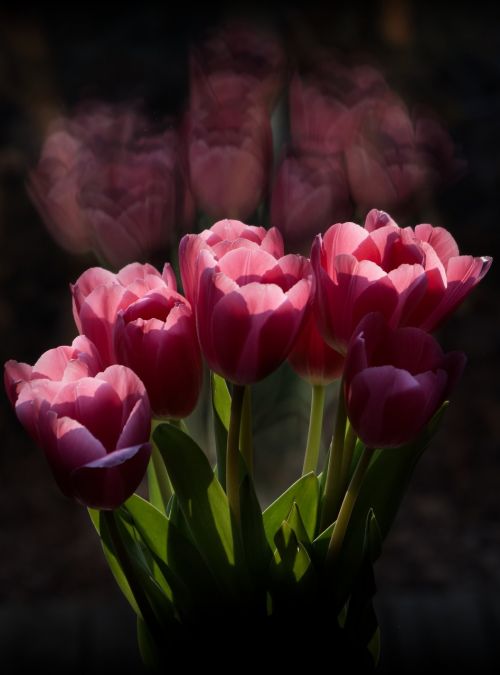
(292, 556)
(221, 404)
(112, 560)
(305, 493)
(154, 585)
(179, 559)
(295, 521)
(257, 550)
(203, 503)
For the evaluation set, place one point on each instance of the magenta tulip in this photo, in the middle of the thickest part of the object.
(309, 191)
(384, 166)
(222, 237)
(62, 364)
(395, 380)
(312, 358)
(249, 310)
(238, 61)
(414, 278)
(230, 150)
(156, 337)
(107, 182)
(94, 430)
(98, 296)
(322, 103)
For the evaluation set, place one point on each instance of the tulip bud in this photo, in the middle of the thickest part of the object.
(395, 381)
(155, 336)
(93, 427)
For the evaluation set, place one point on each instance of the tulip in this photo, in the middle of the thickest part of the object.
(322, 104)
(414, 278)
(106, 182)
(384, 166)
(249, 310)
(98, 296)
(155, 336)
(132, 201)
(93, 430)
(221, 238)
(312, 358)
(395, 380)
(309, 191)
(237, 61)
(230, 149)
(62, 364)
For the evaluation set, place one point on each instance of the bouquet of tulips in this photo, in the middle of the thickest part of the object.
(203, 567)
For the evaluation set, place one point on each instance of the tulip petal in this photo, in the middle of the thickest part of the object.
(108, 481)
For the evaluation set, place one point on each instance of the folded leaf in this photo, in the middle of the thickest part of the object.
(305, 493)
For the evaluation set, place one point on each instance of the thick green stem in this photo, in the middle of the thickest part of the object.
(333, 486)
(246, 438)
(349, 445)
(315, 427)
(126, 565)
(233, 452)
(340, 527)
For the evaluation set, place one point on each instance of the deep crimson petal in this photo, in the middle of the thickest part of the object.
(107, 482)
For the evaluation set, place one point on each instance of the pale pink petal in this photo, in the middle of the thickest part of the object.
(245, 265)
(351, 239)
(440, 240)
(376, 219)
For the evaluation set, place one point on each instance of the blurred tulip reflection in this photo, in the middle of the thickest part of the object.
(236, 78)
(310, 191)
(107, 182)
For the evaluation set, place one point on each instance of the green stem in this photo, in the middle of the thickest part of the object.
(349, 445)
(315, 427)
(233, 452)
(333, 486)
(340, 527)
(246, 438)
(126, 565)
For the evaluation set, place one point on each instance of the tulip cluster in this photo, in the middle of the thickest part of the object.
(201, 557)
(360, 311)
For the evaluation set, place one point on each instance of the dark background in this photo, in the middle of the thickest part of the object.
(439, 576)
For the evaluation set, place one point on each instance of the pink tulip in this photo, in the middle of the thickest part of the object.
(98, 296)
(132, 200)
(62, 364)
(222, 237)
(230, 150)
(54, 187)
(107, 182)
(94, 430)
(322, 103)
(384, 166)
(237, 61)
(249, 310)
(309, 191)
(395, 380)
(312, 358)
(155, 336)
(412, 277)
